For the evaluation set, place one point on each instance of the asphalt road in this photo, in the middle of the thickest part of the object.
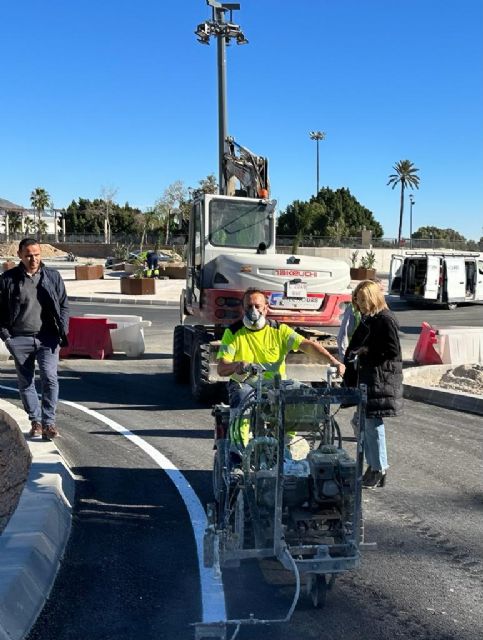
(130, 569)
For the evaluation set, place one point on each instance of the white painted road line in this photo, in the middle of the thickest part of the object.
(212, 592)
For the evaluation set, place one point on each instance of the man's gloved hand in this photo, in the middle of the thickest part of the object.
(242, 367)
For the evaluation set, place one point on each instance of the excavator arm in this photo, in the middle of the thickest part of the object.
(250, 170)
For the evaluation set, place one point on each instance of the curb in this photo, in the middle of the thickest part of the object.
(130, 301)
(457, 401)
(34, 540)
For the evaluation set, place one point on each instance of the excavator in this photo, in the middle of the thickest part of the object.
(231, 247)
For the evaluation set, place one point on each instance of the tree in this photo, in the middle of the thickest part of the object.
(405, 176)
(89, 216)
(439, 234)
(149, 222)
(174, 194)
(107, 195)
(304, 215)
(341, 214)
(40, 200)
(15, 221)
(208, 185)
(29, 225)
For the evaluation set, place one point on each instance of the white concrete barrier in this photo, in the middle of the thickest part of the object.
(460, 345)
(128, 337)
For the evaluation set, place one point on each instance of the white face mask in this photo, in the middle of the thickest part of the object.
(253, 319)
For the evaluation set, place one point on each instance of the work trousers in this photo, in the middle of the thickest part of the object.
(26, 350)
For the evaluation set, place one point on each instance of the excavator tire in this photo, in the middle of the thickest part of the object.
(201, 389)
(181, 363)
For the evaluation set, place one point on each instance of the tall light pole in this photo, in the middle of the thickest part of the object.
(318, 136)
(223, 31)
(411, 202)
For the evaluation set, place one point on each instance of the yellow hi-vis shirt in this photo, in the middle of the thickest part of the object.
(268, 346)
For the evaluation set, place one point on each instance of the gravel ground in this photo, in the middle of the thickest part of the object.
(467, 378)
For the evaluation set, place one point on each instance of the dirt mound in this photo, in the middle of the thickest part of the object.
(466, 377)
(9, 250)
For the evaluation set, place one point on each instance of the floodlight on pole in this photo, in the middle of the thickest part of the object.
(224, 31)
(318, 136)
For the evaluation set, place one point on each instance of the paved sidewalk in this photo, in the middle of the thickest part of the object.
(33, 542)
(108, 290)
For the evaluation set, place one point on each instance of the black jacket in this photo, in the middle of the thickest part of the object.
(52, 294)
(376, 342)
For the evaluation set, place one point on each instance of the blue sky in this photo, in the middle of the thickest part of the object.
(119, 94)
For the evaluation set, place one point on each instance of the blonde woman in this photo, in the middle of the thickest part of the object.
(376, 344)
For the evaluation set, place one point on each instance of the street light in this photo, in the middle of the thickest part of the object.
(411, 202)
(317, 135)
(223, 31)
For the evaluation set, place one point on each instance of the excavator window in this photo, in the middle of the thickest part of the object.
(240, 224)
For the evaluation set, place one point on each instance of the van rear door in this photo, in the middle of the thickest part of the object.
(395, 274)
(455, 278)
(479, 279)
(433, 272)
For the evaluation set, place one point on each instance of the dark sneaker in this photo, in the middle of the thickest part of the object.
(49, 432)
(367, 474)
(35, 429)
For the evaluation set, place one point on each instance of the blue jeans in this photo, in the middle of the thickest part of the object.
(375, 444)
(45, 350)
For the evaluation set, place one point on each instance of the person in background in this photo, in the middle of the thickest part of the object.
(34, 318)
(373, 358)
(258, 340)
(152, 260)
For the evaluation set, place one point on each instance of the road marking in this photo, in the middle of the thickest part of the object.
(212, 592)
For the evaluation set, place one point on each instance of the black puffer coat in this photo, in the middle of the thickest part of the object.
(376, 341)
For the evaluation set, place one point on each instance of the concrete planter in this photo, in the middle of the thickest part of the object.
(138, 286)
(173, 271)
(89, 272)
(360, 273)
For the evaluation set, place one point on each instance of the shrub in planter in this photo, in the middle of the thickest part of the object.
(366, 270)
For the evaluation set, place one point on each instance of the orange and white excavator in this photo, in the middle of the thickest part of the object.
(232, 247)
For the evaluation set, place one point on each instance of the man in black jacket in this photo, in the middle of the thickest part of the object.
(34, 317)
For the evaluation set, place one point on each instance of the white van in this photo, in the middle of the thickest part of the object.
(443, 277)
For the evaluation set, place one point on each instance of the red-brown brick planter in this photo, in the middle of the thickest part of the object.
(362, 274)
(89, 272)
(138, 286)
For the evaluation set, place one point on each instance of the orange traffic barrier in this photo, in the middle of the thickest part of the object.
(424, 352)
(89, 337)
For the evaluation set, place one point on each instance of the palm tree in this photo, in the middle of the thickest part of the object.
(406, 176)
(29, 225)
(40, 200)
